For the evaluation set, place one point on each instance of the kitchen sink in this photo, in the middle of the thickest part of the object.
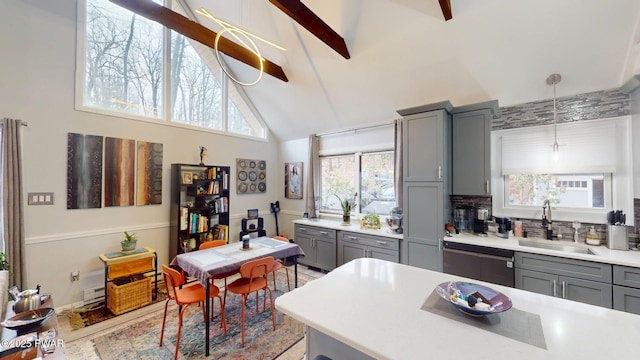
(565, 247)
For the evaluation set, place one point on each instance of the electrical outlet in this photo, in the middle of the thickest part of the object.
(75, 275)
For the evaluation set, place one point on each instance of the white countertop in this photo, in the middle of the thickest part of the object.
(374, 306)
(602, 253)
(354, 227)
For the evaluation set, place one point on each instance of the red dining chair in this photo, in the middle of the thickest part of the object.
(253, 278)
(184, 297)
(280, 264)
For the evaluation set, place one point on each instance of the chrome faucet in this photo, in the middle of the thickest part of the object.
(546, 222)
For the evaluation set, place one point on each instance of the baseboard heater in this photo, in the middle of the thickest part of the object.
(93, 295)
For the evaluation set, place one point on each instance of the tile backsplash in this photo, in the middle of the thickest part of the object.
(589, 106)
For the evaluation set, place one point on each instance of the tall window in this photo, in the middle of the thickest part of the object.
(370, 175)
(133, 67)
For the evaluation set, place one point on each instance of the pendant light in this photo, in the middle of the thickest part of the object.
(553, 79)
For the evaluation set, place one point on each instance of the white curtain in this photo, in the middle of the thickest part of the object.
(585, 147)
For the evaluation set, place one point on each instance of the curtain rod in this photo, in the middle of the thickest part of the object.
(24, 123)
(356, 129)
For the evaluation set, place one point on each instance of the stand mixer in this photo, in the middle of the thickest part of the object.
(395, 220)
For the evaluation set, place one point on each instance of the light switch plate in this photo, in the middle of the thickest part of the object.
(40, 198)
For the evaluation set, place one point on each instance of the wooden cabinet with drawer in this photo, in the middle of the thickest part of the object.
(353, 245)
(626, 289)
(584, 281)
(319, 246)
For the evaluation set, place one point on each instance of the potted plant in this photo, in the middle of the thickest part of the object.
(129, 242)
(370, 221)
(4, 264)
(347, 205)
(4, 282)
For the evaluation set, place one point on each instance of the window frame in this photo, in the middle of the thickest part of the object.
(357, 211)
(164, 117)
(619, 186)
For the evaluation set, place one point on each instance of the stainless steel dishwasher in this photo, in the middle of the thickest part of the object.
(479, 262)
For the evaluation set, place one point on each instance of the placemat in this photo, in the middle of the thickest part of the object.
(116, 254)
(514, 323)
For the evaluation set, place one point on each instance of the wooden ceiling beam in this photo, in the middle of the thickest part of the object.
(195, 31)
(445, 5)
(299, 12)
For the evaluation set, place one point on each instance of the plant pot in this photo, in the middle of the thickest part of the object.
(346, 219)
(128, 246)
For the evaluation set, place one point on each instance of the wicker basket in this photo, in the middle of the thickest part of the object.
(129, 296)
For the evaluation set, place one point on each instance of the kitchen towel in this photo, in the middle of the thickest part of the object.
(514, 323)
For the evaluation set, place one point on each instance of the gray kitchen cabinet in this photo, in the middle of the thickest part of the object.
(626, 289)
(425, 144)
(352, 245)
(319, 246)
(423, 225)
(426, 153)
(471, 148)
(583, 281)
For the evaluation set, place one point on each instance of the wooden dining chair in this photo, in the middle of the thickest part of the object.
(186, 296)
(280, 264)
(253, 279)
(212, 244)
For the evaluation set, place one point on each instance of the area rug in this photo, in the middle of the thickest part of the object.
(140, 340)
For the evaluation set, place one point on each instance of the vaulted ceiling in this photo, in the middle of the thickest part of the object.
(402, 53)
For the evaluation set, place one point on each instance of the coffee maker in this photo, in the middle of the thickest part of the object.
(504, 227)
(479, 222)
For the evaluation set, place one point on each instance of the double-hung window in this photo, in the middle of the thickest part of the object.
(366, 178)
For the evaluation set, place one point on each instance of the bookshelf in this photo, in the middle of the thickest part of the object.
(199, 204)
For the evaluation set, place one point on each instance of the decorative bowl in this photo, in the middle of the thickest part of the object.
(474, 299)
(28, 319)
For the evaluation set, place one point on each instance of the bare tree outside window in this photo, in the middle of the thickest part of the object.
(124, 73)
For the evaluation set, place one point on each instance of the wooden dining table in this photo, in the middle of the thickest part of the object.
(203, 264)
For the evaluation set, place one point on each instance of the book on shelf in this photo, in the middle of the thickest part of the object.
(221, 232)
(197, 223)
(184, 218)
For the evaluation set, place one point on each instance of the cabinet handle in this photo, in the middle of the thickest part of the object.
(364, 252)
(555, 293)
(323, 233)
(440, 172)
(563, 288)
(384, 243)
(302, 229)
(486, 186)
(352, 237)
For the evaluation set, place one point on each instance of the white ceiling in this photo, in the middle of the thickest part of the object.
(404, 54)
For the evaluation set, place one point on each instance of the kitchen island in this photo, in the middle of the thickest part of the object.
(370, 308)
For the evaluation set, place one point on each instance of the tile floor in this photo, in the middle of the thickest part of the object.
(78, 344)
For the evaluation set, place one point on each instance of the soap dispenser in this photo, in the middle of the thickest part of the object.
(592, 236)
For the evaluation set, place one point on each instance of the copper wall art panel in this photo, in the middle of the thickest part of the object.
(119, 165)
(149, 185)
(84, 171)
